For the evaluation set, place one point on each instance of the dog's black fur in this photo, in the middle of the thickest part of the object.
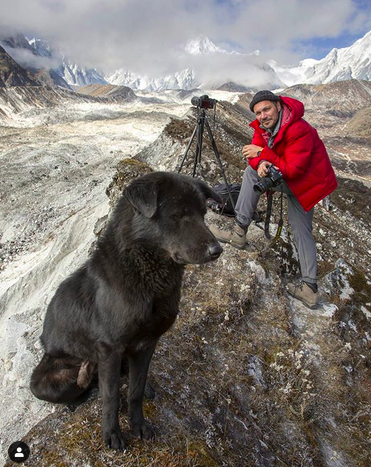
(112, 311)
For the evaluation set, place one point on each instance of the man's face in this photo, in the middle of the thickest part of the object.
(267, 113)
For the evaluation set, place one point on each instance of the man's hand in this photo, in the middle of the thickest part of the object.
(250, 151)
(263, 168)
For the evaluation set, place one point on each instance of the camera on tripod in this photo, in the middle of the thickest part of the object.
(203, 102)
(273, 179)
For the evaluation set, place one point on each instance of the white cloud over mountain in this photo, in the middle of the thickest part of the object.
(208, 66)
(147, 37)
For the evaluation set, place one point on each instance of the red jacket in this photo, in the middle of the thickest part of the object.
(299, 153)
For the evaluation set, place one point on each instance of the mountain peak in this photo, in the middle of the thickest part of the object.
(201, 45)
(41, 46)
(351, 62)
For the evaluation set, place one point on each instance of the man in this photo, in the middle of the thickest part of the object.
(282, 138)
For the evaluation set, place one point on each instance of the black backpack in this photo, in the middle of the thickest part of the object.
(225, 207)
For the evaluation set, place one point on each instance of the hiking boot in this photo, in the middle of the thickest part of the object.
(304, 293)
(235, 237)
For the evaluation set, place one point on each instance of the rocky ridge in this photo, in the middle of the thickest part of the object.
(108, 91)
(247, 376)
(12, 74)
(56, 162)
(342, 99)
(17, 102)
(292, 383)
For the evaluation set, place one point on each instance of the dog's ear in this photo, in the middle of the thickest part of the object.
(207, 191)
(142, 194)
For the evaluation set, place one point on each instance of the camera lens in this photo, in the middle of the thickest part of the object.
(195, 101)
(263, 185)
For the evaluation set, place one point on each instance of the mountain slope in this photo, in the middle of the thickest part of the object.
(352, 62)
(246, 376)
(12, 74)
(108, 91)
(360, 124)
(344, 97)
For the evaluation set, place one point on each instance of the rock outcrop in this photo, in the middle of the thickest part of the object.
(247, 376)
(12, 74)
(116, 93)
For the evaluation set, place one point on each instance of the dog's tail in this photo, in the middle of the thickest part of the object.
(61, 380)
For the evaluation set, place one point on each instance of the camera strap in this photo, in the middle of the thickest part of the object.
(268, 217)
(280, 222)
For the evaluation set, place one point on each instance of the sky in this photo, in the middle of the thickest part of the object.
(148, 37)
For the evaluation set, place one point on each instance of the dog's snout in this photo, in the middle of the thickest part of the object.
(215, 250)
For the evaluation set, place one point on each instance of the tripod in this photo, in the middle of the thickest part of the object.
(202, 121)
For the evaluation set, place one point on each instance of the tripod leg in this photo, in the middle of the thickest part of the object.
(217, 156)
(186, 151)
(200, 134)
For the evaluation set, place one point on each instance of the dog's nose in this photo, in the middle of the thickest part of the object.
(215, 250)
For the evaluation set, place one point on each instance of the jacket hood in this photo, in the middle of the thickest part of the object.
(297, 107)
(295, 112)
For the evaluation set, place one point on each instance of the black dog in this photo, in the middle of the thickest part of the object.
(113, 310)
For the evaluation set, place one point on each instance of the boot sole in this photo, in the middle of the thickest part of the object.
(235, 245)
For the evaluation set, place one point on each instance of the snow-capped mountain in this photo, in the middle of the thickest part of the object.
(202, 45)
(206, 70)
(40, 46)
(185, 79)
(208, 66)
(15, 41)
(181, 80)
(73, 74)
(352, 62)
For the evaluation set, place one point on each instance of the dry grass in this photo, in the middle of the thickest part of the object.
(242, 379)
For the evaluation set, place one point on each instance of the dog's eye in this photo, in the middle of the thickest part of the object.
(180, 214)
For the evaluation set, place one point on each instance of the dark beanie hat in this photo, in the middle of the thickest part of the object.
(263, 96)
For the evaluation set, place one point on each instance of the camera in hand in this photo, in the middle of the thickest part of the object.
(203, 102)
(273, 179)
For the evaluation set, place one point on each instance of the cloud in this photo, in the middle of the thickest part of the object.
(27, 59)
(148, 37)
(220, 67)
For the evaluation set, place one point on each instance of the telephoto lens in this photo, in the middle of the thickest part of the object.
(273, 179)
(195, 101)
(263, 185)
(203, 102)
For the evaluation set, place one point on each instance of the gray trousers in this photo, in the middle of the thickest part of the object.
(300, 222)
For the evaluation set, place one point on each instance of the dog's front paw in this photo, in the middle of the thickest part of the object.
(114, 439)
(143, 430)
